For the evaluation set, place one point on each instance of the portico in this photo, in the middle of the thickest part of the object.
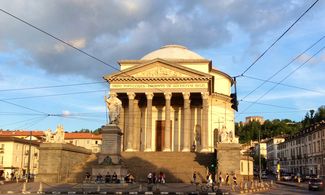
(171, 104)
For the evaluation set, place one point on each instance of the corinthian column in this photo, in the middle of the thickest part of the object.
(130, 133)
(149, 122)
(186, 130)
(204, 124)
(167, 122)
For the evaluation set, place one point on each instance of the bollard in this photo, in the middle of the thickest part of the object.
(24, 188)
(98, 188)
(40, 189)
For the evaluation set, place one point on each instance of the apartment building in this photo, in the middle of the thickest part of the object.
(304, 152)
(15, 154)
(87, 140)
(272, 152)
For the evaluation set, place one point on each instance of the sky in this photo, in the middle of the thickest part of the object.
(231, 33)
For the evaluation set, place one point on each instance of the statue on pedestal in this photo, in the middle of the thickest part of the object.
(57, 137)
(114, 106)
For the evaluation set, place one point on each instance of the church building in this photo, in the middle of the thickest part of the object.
(173, 100)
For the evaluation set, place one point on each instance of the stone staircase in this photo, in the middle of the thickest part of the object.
(177, 166)
(77, 174)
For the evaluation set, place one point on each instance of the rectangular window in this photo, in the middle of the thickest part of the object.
(1, 160)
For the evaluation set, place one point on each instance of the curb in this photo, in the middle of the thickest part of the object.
(116, 193)
(292, 185)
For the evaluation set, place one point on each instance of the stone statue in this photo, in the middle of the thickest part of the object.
(114, 106)
(107, 161)
(48, 136)
(59, 134)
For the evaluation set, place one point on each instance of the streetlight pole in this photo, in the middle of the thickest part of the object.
(259, 154)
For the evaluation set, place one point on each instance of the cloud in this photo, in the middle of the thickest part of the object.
(114, 30)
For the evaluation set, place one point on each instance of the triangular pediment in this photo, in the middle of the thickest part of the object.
(159, 68)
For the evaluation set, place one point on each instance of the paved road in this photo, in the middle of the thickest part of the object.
(290, 190)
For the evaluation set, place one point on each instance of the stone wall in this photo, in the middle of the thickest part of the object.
(57, 160)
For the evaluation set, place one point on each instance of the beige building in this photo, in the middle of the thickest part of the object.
(173, 100)
(304, 152)
(87, 140)
(14, 154)
(259, 119)
(247, 167)
(272, 152)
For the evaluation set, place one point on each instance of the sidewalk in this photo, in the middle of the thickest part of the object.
(137, 188)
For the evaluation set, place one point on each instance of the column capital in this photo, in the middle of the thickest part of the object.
(149, 95)
(131, 95)
(186, 95)
(168, 95)
(205, 95)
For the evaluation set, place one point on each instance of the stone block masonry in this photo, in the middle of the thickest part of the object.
(56, 161)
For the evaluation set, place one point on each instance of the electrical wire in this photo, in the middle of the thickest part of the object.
(286, 85)
(277, 39)
(52, 95)
(287, 76)
(285, 66)
(51, 86)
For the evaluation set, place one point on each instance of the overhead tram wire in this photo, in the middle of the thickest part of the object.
(257, 59)
(286, 85)
(70, 45)
(34, 110)
(287, 76)
(51, 86)
(52, 95)
(288, 64)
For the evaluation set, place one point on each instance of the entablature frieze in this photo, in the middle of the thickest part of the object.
(159, 79)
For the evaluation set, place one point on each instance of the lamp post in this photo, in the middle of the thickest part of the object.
(259, 154)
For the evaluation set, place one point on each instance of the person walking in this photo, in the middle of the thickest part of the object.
(194, 177)
(220, 179)
(234, 178)
(227, 179)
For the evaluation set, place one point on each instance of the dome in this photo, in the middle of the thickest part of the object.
(172, 52)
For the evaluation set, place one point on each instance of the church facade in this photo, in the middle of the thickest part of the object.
(173, 100)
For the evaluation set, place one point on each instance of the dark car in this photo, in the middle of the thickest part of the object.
(316, 184)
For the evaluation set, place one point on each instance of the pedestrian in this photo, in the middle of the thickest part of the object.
(227, 179)
(149, 177)
(194, 177)
(234, 178)
(220, 179)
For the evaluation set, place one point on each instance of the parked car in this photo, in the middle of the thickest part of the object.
(264, 176)
(286, 177)
(316, 184)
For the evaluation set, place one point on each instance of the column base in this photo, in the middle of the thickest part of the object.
(148, 150)
(130, 150)
(185, 150)
(205, 150)
(166, 150)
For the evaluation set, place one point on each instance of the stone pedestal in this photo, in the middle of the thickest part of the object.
(109, 159)
(228, 156)
(111, 144)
